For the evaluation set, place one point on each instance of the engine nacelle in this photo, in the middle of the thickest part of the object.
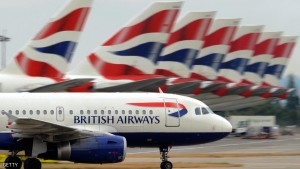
(98, 149)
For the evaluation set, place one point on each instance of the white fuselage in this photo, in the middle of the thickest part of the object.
(114, 112)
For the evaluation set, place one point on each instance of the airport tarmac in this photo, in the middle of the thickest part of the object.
(280, 153)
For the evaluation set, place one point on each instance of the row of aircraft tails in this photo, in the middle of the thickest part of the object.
(226, 65)
(217, 61)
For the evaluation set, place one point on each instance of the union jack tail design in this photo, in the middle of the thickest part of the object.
(134, 49)
(184, 44)
(281, 55)
(216, 45)
(50, 51)
(240, 51)
(263, 51)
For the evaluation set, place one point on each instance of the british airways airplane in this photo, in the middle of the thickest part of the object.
(44, 60)
(98, 127)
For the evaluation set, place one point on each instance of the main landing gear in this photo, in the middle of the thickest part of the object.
(32, 163)
(165, 164)
(14, 162)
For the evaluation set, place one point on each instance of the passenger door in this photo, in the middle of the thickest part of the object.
(60, 114)
(172, 113)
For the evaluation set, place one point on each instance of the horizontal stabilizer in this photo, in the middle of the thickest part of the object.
(61, 86)
(134, 86)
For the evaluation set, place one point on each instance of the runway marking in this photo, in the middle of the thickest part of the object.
(225, 145)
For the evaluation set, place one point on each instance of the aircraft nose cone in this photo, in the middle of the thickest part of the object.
(227, 126)
(223, 125)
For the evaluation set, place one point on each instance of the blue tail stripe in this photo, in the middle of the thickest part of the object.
(213, 60)
(257, 68)
(64, 49)
(150, 50)
(275, 70)
(185, 56)
(238, 64)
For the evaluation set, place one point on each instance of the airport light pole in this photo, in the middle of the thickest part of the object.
(3, 40)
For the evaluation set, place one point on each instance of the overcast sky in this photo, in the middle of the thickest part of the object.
(22, 19)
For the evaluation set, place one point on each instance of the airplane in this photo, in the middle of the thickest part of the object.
(177, 57)
(126, 61)
(98, 127)
(44, 60)
(231, 67)
(180, 51)
(270, 81)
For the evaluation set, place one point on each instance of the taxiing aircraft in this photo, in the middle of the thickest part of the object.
(98, 127)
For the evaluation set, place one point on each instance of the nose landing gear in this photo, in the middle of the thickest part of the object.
(165, 164)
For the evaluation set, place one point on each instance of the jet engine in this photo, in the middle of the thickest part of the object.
(97, 149)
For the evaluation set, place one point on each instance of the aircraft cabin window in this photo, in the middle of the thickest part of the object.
(81, 111)
(88, 112)
(45, 112)
(52, 112)
(197, 111)
(38, 112)
(31, 112)
(137, 112)
(17, 112)
(59, 112)
(151, 111)
(95, 111)
(24, 112)
(2, 112)
(102, 111)
(10, 112)
(109, 111)
(123, 111)
(144, 111)
(71, 111)
(130, 111)
(204, 111)
(116, 111)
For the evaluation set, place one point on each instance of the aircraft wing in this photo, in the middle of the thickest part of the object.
(61, 86)
(28, 128)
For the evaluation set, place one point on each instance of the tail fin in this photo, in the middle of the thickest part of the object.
(281, 55)
(215, 46)
(262, 55)
(184, 44)
(50, 51)
(241, 49)
(135, 47)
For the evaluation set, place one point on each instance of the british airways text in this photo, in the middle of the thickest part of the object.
(116, 120)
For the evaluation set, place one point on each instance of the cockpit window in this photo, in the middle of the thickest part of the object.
(204, 111)
(197, 111)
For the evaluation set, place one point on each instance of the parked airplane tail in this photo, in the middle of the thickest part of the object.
(215, 46)
(50, 51)
(184, 44)
(134, 49)
(257, 65)
(279, 61)
(240, 51)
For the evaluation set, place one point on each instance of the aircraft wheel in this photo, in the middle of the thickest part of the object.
(166, 165)
(32, 163)
(12, 162)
